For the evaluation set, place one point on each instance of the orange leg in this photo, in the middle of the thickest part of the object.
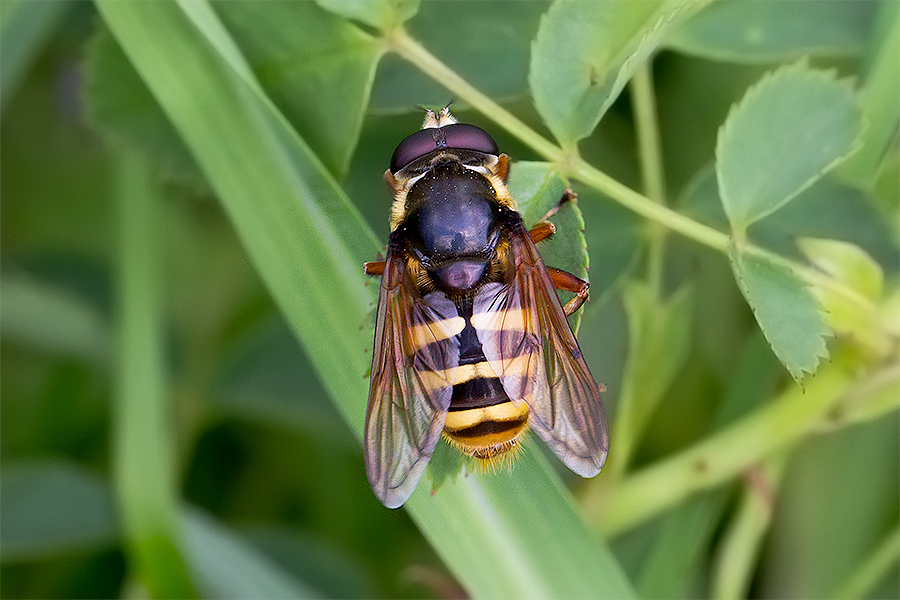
(374, 268)
(568, 282)
(542, 231)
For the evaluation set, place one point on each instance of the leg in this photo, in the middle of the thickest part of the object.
(542, 231)
(374, 268)
(568, 282)
(545, 228)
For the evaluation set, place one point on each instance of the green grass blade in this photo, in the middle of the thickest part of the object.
(144, 450)
(307, 243)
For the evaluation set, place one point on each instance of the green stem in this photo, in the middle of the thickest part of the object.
(400, 42)
(739, 549)
(725, 455)
(143, 434)
(647, 125)
(650, 153)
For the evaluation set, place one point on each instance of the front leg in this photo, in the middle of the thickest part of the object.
(564, 280)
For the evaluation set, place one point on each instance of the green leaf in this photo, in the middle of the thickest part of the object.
(307, 243)
(227, 566)
(791, 128)
(446, 465)
(122, 107)
(537, 187)
(42, 315)
(383, 14)
(315, 66)
(764, 31)
(24, 28)
(786, 310)
(52, 508)
(585, 53)
(546, 550)
(658, 346)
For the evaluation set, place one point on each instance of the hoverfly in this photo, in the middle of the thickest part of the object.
(471, 338)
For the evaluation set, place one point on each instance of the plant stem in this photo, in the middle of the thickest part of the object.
(650, 150)
(143, 434)
(400, 42)
(737, 554)
(647, 125)
(725, 455)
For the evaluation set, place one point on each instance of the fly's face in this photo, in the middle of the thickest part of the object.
(471, 341)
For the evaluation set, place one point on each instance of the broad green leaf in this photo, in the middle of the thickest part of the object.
(226, 566)
(786, 310)
(585, 53)
(535, 518)
(308, 243)
(446, 465)
(658, 345)
(52, 508)
(488, 45)
(120, 105)
(764, 31)
(383, 14)
(144, 453)
(42, 315)
(789, 129)
(315, 66)
(537, 188)
(24, 28)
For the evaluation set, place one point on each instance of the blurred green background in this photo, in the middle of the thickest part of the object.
(263, 472)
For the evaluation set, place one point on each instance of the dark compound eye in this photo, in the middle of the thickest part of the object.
(458, 135)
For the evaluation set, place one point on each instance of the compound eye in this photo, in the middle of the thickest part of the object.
(413, 146)
(469, 137)
(458, 135)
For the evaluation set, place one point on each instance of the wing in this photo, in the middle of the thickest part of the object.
(524, 333)
(413, 366)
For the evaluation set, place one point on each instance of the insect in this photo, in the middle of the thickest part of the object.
(471, 339)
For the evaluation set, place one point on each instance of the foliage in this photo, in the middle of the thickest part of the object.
(189, 190)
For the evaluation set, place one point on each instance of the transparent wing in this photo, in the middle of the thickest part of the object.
(525, 335)
(413, 366)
